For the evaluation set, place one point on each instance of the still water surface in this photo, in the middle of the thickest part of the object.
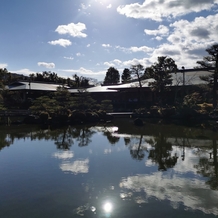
(113, 170)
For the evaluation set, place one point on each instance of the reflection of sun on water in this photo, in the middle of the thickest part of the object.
(107, 207)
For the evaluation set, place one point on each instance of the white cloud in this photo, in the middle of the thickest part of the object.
(114, 63)
(106, 45)
(162, 31)
(25, 72)
(61, 42)
(191, 192)
(186, 42)
(83, 71)
(79, 166)
(46, 65)
(201, 30)
(78, 54)
(88, 45)
(141, 49)
(158, 38)
(109, 6)
(135, 49)
(84, 7)
(126, 64)
(75, 30)
(68, 58)
(63, 155)
(3, 65)
(159, 9)
(109, 64)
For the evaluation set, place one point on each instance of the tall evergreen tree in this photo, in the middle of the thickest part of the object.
(126, 75)
(210, 62)
(161, 73)
(112, 76)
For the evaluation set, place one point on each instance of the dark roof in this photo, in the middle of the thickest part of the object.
(192, 77)
(33, 86)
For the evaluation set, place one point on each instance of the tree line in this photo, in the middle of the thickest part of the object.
(161, 73)
(76, 81)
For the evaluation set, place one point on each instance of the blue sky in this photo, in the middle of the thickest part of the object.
(87, 37)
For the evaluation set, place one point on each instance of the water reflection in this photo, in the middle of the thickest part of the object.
(108, 207)
(63, 155)
(193, 193)
(178, 167)
(76, 167)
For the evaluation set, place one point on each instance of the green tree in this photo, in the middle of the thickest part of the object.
(112, 76)
(83, 100)
(107, 105)
(64, 99)
(211, 62)
(126, 75)
(45, 104)
(161, 73)
(76, 80)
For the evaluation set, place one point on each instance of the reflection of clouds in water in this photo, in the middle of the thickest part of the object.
(191, 159)
(63, 155)
(193, 193)
(79, 166)
(107, 151)
(149, 163)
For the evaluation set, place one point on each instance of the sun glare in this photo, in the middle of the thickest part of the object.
(107, 207)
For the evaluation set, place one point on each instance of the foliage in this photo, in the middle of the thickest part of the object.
(106, 105)
(191, 100)
(161, 73)
(7, 77)
(64, 99)
(80, 81)
(12, 99)
(52, 77)
(112, 76)
(45, 104)
(126, 75)
(209, 62)
(137, 71)
(82, 100)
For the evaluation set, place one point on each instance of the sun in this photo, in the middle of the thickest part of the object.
(107, 207)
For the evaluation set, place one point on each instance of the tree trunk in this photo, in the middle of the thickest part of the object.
(215, 83)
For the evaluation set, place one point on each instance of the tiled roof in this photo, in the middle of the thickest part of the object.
(191, 78)
(33, 86)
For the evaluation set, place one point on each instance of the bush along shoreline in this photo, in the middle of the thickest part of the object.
(202, 115)
(70, 117)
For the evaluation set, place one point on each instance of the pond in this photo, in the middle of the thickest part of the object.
(108, 170)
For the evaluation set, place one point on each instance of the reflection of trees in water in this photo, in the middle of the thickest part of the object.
(182, 143)
(107, 131)
(64, 140)
(138, 150)
(137, 146)
(208, 167)
(63, 137)
(127, 140)
(161, 152)
(5, 141)
(84, 136)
